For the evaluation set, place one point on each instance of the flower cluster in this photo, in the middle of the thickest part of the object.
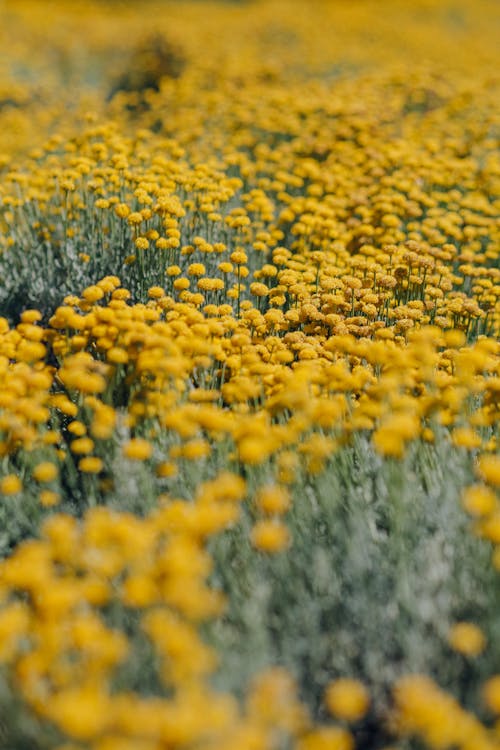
(264, 247)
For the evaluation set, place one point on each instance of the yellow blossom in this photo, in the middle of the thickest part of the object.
(270, 536)
(10, 485)
(45, 472)
(347, 699)
(138, 449)
(467, 639)
(479, 500)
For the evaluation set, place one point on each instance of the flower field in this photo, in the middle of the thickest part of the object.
(249, 375)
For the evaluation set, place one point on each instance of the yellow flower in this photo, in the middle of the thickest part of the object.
(49, 498)
(80, 712)
(122, 211)
(488, 468)
(138, 449)
(82, 445)
(273, 499)
(90, 465)
(64, 405)
(173, 270)
(10, 485)
(45, 472)
(464, 437)
(196, 269)
(196, 449)
(77, 428)
(258, 289)
(155, 292)
(31, 316)
(288, 464)
(166, 469)
(104, 422)
(347, 699)
(134, 219)
(467, 639)
(326, 738)
(255, 450)
(225, 487)
(270, 536)
(92, 293)
(479, 500)
(273, 700)
(238, 257)
(181, 284)
(491, 693)
(141, 243)
(139, 591)
(489, 527)
(117, 355)
(391, 437)
(424, 709)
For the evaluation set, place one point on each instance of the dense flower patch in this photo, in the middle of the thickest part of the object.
(249, 376)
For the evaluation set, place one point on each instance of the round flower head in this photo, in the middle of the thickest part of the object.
(270, 536)
(467, 639)
(347, 699)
